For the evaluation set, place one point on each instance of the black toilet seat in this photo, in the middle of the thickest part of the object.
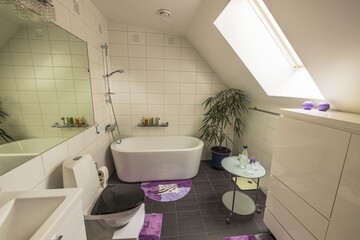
(118, 198)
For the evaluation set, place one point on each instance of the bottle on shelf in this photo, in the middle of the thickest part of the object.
(244, 157)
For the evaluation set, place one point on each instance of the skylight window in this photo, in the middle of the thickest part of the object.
(253, 33)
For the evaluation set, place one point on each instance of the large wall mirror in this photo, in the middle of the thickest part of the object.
(45, 89)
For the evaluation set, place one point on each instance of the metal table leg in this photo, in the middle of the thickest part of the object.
(228, 220)
(258, 210)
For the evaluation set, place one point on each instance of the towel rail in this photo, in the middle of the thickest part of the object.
(264, 111)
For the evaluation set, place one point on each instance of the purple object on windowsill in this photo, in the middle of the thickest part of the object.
(323, 107)
(308, 105)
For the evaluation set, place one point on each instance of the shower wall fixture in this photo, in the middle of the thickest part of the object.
(110, 127)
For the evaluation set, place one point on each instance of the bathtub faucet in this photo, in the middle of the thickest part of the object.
(110, 127)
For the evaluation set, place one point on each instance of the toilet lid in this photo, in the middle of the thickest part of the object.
(118, 198)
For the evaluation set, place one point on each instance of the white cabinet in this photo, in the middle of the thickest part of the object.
(73, 226)
(308, 159)
(314, 189)
(345, 219)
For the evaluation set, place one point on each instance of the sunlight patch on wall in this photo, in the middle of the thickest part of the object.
(279, 73)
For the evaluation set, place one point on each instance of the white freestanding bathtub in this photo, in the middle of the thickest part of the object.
(140, 159)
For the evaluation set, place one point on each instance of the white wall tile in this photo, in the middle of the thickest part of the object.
(76, 144)
(172, 76)
(155, 87)
(155, 39)
(155, 76)
(172, 52)
(172, 65)
(154, 64)
(24, 177)
(19, 45)
(118, 37)
(137, 63)
(171, 40)
(171, 87)
(188, 53)
(120, 50)
(187, 98)
(43, 72)
(187, 88)
(155, 98)
(42, 59)
(23, 72)
(154, 52)
(54, 158)
(21, 59)
(40, 46)
(171, 98)
(188, 77)
(137, 51)
(137, 38)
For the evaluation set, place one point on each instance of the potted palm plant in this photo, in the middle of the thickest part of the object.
(224, 112)
(4, 136)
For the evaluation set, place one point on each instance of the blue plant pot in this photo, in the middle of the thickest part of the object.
(217, 155)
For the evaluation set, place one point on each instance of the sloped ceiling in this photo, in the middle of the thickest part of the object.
(326, 36)
(213, 47)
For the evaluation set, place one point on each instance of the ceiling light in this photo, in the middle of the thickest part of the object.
(164, 14)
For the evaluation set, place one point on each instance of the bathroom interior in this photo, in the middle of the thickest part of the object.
(78, 78)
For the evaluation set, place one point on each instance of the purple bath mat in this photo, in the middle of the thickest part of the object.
(152, 227)
(261, 236)
(166, 191)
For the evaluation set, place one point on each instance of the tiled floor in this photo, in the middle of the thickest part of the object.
(201, 214)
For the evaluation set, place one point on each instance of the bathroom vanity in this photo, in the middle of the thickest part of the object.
(48, 214)
(314, 189)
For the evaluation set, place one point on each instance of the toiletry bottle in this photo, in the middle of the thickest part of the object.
(244, 157)
(146, 121)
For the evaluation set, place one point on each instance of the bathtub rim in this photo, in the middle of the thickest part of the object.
(199, 145)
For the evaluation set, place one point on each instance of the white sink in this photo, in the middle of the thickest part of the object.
(35, 214)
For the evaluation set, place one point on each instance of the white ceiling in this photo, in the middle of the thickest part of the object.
(144, 13)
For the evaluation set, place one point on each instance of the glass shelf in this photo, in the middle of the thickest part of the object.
(69, 126)
(153, 126)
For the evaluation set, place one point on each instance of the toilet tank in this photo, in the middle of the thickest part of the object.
(81, 172)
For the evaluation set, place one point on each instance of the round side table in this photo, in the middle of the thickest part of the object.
(237, 201)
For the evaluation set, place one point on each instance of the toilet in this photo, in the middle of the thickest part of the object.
(105, 209)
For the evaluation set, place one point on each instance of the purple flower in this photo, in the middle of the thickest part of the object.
(252, 159)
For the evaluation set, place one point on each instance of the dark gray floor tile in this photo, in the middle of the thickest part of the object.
(216, 223)
(187, 205)
(163, 207)
(196, 236)
(201, 176)
(170, 225)
(190, 222)
(202, 187)
(215, 175)
(220, 186)
(169, 238)
(208, 201)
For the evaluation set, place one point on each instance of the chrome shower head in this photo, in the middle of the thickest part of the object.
(116, 71)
